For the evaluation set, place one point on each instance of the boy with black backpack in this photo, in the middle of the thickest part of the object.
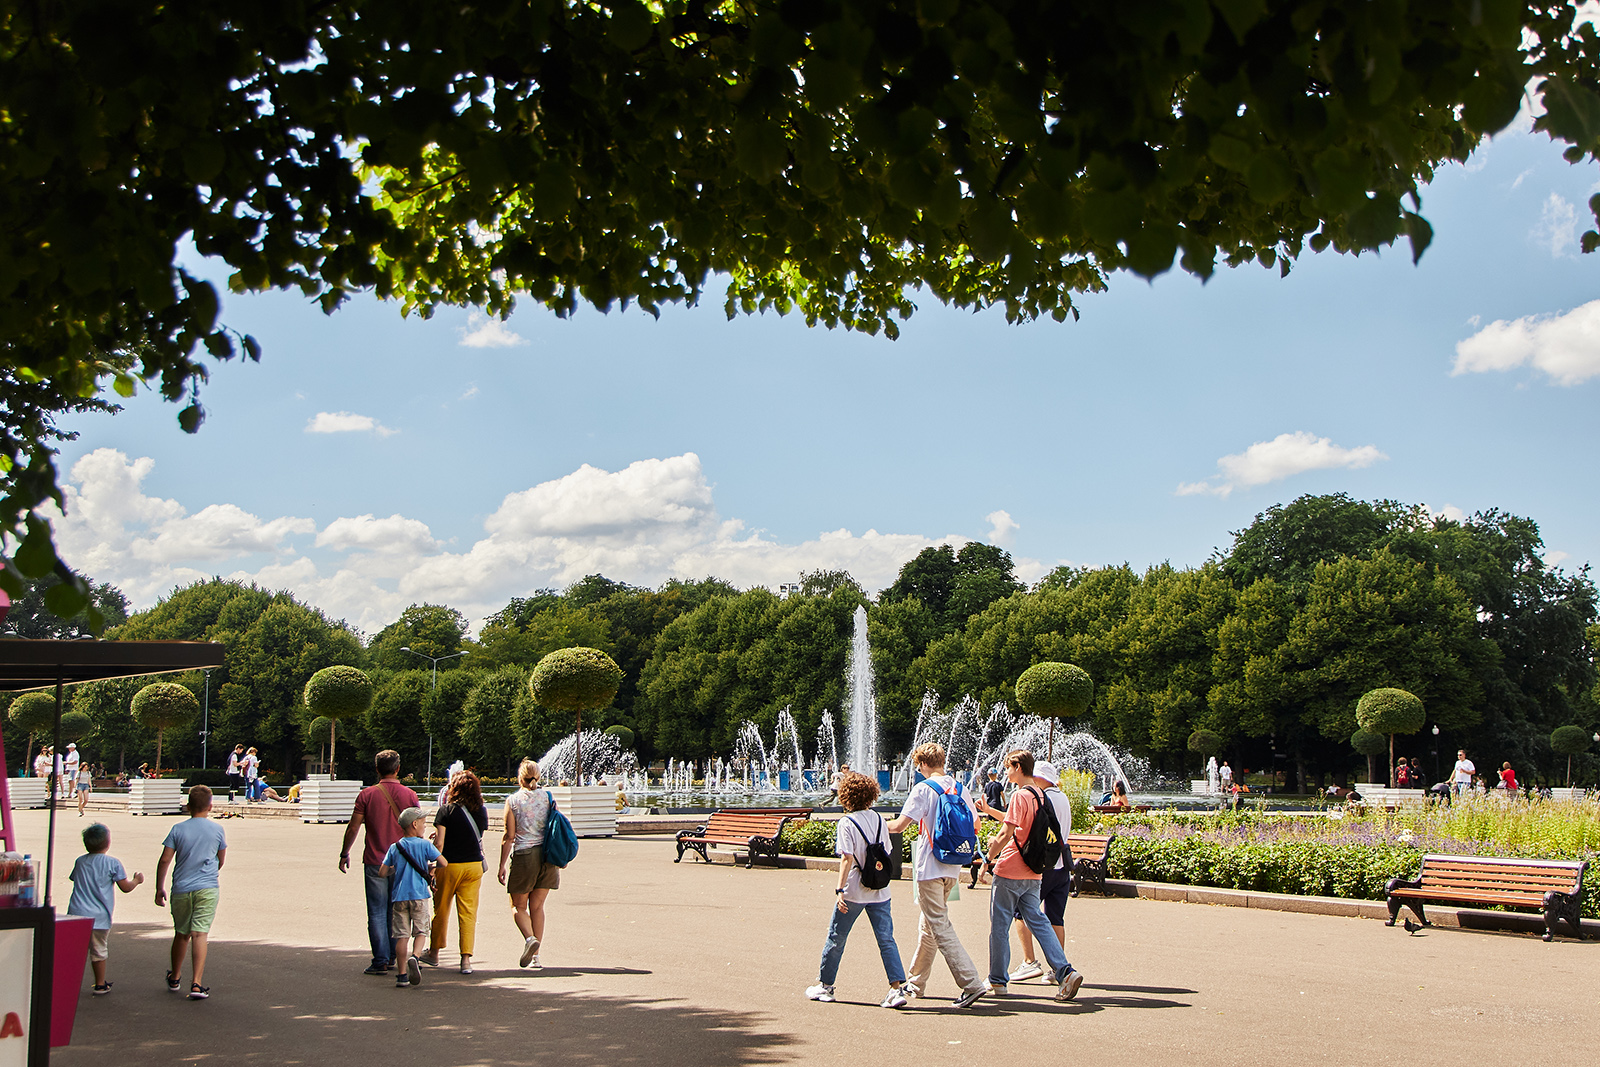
(865, 870)
(947, 840)
(1028, 844)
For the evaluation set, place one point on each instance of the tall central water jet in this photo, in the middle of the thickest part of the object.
(861, 720)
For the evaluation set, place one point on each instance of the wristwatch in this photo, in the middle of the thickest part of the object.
(836, 892)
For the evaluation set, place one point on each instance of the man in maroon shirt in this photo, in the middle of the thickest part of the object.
(378, 808)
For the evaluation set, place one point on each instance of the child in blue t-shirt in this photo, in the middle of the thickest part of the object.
(92, 879)
(406, 865)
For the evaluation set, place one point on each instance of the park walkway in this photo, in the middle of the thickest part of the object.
(651, 963)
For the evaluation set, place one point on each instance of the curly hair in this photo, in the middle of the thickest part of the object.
(465, 791)
(857, 791)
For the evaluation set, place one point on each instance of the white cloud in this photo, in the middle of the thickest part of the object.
(1001, 527)
(652, 520)
(1565, 346)
(483, 332)
(1553, 557)
(1558, 227)
(346, 422)
(471, 391)
(1449, 511)
(1282, 457)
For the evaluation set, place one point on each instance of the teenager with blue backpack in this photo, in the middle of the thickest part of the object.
(947, 840)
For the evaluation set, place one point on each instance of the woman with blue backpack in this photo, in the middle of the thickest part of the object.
(537, 843)
(865, 870)
(947, 840)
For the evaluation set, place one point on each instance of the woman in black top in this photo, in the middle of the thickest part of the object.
(458, 828)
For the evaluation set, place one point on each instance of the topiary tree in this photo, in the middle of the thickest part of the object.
(1390, 711)
(76, 725)
(1206, 742)
(34, 712)
(1370, 744)
(162, 705)
(338, 692)
(576, 680)
(1054, 691)
(1569, 741)
(623, 735)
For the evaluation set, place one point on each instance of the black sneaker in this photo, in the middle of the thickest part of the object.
(102, 990)
(173, 984)
(414, 971)
(376, 968)
(198, 991)
(401, 981)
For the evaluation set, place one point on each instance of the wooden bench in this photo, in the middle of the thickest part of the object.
(756, 829)
(1554, 887)
(1091, 861)
(1112, 809)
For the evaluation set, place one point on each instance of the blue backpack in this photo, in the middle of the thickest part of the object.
(954, 839)
(560, 843)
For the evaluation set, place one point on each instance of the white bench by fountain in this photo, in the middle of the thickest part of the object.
(1384, 797)
(155, 796)
(28, 792)
(592, 809)
(1557, 793)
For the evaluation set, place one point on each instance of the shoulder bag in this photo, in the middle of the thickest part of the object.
(560, 843)
(477, 834)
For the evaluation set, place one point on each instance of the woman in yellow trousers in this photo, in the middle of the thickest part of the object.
(458, 828)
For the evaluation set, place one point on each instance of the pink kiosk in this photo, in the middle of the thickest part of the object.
(42, 955)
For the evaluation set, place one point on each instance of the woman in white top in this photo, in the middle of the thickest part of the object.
(522, 868)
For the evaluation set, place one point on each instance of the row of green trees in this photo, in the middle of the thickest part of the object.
(1268, 646)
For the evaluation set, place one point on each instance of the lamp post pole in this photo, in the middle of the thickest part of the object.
(205, 721)
(1436, 750)
(434, 661)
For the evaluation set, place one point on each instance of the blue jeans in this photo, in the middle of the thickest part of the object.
(378, 915)
(839, 930)
(1018, 898)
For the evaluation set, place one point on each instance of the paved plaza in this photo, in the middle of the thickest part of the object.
(651, 963)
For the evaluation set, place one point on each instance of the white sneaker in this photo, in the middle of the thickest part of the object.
(894, 999)
(820, 992)
(1070, 982)
(530, 953)
(1026, 971)
(971, 996)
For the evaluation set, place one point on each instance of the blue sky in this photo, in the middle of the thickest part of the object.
(755, 448)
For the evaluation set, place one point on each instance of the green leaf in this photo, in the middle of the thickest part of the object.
(631, 25)
(64, 600)
(36, 556)
(124, 384)
(1240, 15)
(191, 417)
(1421, 235)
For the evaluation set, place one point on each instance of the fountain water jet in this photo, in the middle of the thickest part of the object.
(861, 722)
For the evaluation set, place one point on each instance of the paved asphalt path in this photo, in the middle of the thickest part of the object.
(652, 963)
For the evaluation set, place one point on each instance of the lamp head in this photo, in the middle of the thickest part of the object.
(1436, 730)
(405, 648)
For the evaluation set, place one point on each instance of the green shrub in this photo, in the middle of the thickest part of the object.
(1055, 690)
(575, 679)
(1304, 868)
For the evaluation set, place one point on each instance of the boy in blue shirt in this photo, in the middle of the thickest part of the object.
(92, 878)
(406, 864)
(198, 846)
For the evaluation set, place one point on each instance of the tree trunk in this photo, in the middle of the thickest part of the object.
(1050, 745)
(158, 752)
(332, 746)
(1391, 761)
(577, 748)
(1372, 769)
(1569, 772)
(122, 758)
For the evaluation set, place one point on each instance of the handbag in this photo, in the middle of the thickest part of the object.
(426, 872)
(560, 843)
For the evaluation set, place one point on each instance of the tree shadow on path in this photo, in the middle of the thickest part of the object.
(287, 1005)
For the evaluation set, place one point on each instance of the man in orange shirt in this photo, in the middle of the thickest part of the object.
(1015, 893)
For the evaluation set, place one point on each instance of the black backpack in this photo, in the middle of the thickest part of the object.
(1043, 848)
(877, 869)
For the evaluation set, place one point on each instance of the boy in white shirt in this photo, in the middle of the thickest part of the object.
(856, 831)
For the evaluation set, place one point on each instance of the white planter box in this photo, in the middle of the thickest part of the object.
(28, 792)
(322, 800)
(1562, 793)
(592, 809)
(155, 796)
(1201, 786)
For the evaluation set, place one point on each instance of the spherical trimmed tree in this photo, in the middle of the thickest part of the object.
(1569, 741)
(623, 735)
(1390, 711)
(34, 712)
(1206, 742)
(1055, 691)
(1370, 744)
(162, 705)
(338, 692)
(76, 725)
(576, 680)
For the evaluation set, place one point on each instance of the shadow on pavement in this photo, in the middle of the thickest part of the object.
(285, 1005)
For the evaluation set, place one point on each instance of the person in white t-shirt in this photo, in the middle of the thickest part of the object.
(1461, 779)
(70, 766)
(857, 828)
(935, 880)
(250, 767)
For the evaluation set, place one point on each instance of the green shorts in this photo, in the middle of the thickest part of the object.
(192, 912)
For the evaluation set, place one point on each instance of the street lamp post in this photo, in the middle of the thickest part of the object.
(1436, 752)
(434, 661)
(205, 722)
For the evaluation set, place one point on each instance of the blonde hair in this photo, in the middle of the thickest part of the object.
(528, 774)
(930, 754)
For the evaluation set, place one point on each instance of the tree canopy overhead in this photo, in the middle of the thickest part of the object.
(829, 157)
